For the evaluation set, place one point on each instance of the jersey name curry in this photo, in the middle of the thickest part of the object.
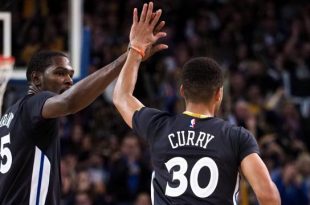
(190, 138)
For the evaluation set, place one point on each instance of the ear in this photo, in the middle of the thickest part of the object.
(182, 91)
(36, 78)
(219, 94)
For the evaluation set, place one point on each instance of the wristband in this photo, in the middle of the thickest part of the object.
(140, 51)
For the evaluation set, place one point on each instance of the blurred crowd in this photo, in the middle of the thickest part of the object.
(263, 47)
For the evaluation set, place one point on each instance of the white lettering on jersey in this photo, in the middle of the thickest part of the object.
(170, 139)
(6, 120)
(209, 138)
(189, 138)
(181, 140)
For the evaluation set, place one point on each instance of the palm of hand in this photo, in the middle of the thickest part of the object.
(146, 30)
(142, 35)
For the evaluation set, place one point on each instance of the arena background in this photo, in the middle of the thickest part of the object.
(263, 47)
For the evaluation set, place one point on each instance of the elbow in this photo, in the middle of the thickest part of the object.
(119, 96)
(269, 195)
(118, 99)
(70, 106)
(115, 99)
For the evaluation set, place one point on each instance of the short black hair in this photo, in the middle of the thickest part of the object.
(41, 61)
(201, 77)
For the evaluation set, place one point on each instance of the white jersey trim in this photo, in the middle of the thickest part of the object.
(40, 178)
(236, 191)
(152, 187)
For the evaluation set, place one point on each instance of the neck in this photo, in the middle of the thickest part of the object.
(201, 108)
(32, 89)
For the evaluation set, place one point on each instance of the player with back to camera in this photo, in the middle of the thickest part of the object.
(30, 147)
(196, 156)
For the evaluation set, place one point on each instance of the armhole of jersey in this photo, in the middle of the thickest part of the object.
(137, 110)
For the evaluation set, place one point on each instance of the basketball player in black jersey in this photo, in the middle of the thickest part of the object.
(196, 156)
(29, 151)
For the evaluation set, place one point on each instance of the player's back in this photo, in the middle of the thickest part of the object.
(28, 155)
(195, 160)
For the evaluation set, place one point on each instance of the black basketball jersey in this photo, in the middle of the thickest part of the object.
(30, 154)
(195, 160)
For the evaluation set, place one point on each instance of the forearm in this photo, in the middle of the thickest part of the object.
(143, 35)
(128, 76)
(270, 197)
(88, 89)
(123, 97)
(256, 172)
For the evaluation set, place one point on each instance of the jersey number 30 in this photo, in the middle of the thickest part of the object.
(179, 175)
(5, 153)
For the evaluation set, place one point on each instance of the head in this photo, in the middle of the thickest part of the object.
(202, 81)
(131, 147)
(83, 198)
(143, 199)
(51, 71)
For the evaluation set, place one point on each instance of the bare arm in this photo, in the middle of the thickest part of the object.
(87, 90)
(257, 175)
(84, 92)
(141, 36)
(123, 97)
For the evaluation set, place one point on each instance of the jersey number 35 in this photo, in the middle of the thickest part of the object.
(6, 155)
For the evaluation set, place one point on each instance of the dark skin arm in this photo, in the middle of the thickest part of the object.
(87, 90)
(84, 92)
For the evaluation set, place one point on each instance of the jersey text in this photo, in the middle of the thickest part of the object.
(6, 120)
(189, 138)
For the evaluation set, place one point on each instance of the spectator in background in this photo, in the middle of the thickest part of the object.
(129, 174)
(84, 198)
(292, 187)
(303, 166)
(143, 199)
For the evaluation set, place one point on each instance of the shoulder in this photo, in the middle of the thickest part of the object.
(226, 127)
(151, 113)
(232, 131)
(34, 103)
(42, 95)
(147, 121)
(38, 99)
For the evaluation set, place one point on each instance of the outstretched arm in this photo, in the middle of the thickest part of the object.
(84, 92)
(257, 175)
(144, 33)
(87, 90)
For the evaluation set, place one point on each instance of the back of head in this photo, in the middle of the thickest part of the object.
(201, 77)
(41, 61)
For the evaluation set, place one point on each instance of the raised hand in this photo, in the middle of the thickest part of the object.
(155, 48)
(146, 31)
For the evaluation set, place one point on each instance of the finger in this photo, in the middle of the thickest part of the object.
(158, 48)
(143, 13)
(159, 27)
(135, 15)
(160, 35)
(153, 16)
(156, 18)
(149, 12)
